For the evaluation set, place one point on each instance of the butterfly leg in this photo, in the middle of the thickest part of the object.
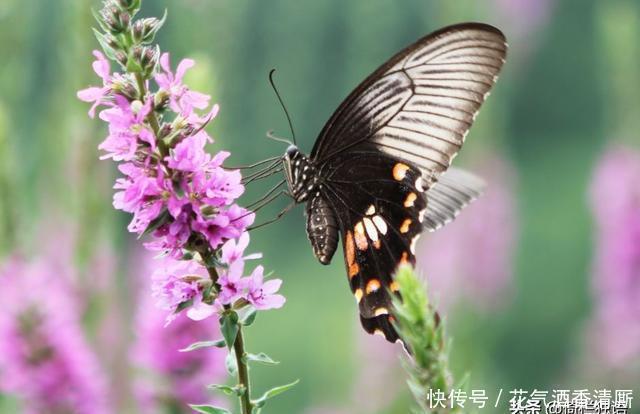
(276, 218)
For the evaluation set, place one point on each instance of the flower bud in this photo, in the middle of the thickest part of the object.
(161, 100)
(125, 87)
(116, 20)
(121, 58)
(208, 211)
(144, 30)
(136, 106)
(165, 131)
(150, 61)
(129, 5)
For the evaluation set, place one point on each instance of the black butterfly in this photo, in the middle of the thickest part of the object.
(379, 172)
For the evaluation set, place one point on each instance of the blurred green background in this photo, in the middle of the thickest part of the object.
(570, 85)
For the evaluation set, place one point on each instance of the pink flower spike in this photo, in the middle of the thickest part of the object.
(262, 295)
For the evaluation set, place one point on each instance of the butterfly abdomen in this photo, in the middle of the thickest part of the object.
(322, 228)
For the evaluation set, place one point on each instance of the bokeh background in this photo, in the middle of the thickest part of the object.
(539, 282)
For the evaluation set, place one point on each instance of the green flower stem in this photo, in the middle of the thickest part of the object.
(152, 118)
(243, 374)
(420, 328)
(238, 347)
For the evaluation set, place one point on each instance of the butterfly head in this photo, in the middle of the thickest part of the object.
(300, 174)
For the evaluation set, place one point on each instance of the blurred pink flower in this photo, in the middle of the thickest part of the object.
(615, 202)
(523, 17)
(378, 381)
(473, 257)
(44, 357)
(170, 379)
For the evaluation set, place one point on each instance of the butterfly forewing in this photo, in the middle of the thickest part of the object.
(389, 142)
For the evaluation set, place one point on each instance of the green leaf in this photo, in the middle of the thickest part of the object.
(104, 44)
(156, 223)
(231, 364)
(229, 327)
(209, 409)
(261, 357)
(232, 391)
(98, 18)
(273, 392)
(133, 65)
(151, 34)
(184, 305)
(220, 343)
(250, 317)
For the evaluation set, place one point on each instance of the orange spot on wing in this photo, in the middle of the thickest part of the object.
(350, 248)
(354, 269)
(405, 258)
(411, 198)
(405, 226)
(394, 286)
(372, 286)
(377, 244)
(361, 238)
(400, 171)
(358, 294)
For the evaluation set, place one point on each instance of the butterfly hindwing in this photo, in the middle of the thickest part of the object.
(380, 220)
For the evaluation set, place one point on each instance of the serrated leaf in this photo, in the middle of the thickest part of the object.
(209, 409)
(274, 392)
(250, 317)
(261, 358)
(229, 328)
(231, 364)
(220, 343)
(231, 391)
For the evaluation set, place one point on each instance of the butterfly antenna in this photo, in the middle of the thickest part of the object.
(273, 85)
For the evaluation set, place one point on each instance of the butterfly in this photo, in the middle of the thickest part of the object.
(379, 173)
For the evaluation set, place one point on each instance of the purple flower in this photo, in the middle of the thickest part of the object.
(262, 295)
(143, 193)
(171, 379)
(232, 284)
(126, 129)
(615, 202)
(226, 224)
(96, 94)
(182, 100)
(44, 357)
(189, 155)
(175, 283)
(472, 257)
